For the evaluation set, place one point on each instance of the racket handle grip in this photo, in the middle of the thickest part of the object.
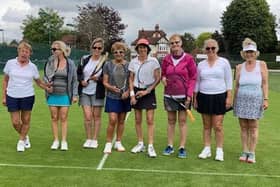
(190, 115)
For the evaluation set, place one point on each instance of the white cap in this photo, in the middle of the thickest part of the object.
(250, 47)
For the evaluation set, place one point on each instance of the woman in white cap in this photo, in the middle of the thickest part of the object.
(250, 98)
(144, 77)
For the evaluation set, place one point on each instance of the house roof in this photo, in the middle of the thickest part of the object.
(153, 36)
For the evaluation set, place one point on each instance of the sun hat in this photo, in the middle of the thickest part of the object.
(142, 41)
(250, 47)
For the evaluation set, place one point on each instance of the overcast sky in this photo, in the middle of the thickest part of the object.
(173, 16)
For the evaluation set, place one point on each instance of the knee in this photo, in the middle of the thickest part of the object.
(54, 117)
(218, 128)
(253, 131)
(63, 118)
(113, 122)
(207, 127)
(150, 122)
(138, 121)
(171, 122)
(16, 122)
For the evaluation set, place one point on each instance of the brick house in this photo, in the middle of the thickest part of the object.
(69, 39)
(158, 42)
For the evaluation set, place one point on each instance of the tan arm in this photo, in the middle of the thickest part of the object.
(264, 72)
(4, 89)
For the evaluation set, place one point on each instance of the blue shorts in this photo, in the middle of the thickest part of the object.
(117, 105)
(58, 100)
(17, 104)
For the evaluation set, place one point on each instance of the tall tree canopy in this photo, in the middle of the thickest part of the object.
(96, 20)
(45, 28)
(188, 42)
(220, 39)
(249, 18)
(201, 38)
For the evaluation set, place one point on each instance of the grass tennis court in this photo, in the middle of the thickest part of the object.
(41, 166)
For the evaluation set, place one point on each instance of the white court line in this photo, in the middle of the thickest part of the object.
(105, 156)
(143, 170)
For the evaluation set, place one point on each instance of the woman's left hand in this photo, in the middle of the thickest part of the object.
(74, 99)
(228, 103)
(265, 104)
(125, 95)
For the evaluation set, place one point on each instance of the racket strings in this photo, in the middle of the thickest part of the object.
(120, 76)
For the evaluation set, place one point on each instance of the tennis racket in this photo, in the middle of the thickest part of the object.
(120, 76)
(99, 65)
(144, 75)
(175, 83)
(50, 69)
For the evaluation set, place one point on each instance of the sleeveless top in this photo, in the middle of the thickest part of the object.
(251, 78)
(249, 98)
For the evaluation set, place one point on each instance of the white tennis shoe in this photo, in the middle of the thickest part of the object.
(108, 148)
(27, 143)
(64, 146)
(205, 153)
(87, 144)
(119, 147)
(55, 145)
(20, 146)
(138, 148)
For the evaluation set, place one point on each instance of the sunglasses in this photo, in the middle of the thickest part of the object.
(212, 48)
(118, 52)
(99, 48)
(249, 51)
(175, 42)
(54, 49)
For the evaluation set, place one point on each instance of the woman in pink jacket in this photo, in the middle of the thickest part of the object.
(178, 78)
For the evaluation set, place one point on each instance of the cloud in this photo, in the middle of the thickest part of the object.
(173, 16)
(14, 15)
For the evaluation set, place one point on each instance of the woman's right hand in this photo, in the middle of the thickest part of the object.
(4, 101)
(164, 81)
(49, 89)
(195, 103)
(133, 100)
(84, 83)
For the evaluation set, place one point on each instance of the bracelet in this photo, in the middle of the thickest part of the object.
(132, 93)
(265, 99)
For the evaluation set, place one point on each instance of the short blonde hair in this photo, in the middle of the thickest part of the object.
(211, 40)
(97, 40)
(118, 45)
(173, 36)
(246, 42)
(64, 48)
(24, 44)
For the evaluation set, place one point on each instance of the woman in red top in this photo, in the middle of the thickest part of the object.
(178, 78)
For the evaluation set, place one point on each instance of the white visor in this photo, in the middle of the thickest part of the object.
(250, 47)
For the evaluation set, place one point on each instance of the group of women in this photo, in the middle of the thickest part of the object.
(206, 86)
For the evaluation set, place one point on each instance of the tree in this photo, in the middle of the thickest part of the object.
(42, 29)
(188, 42)
(98, 21)
(249, 18)
(220, 39)
(201, 38)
